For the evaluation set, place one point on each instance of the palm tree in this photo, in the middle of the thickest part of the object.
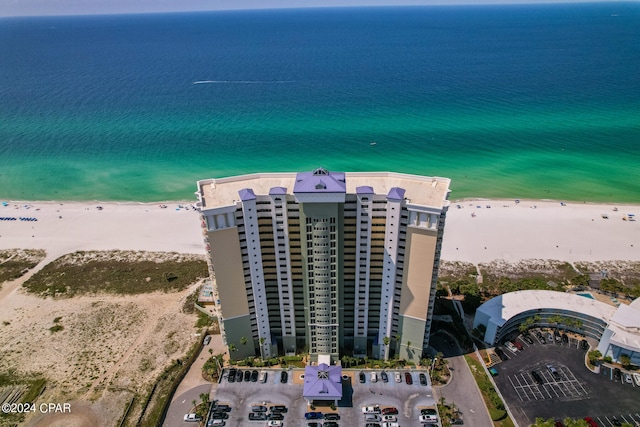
(194, 402)
(244, 340)
(386, 341)
(232, 347)
(397, 337)
(262, 340)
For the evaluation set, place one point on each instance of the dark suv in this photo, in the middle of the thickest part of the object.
(284, 377)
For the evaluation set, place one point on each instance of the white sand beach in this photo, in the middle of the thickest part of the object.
(474, 232)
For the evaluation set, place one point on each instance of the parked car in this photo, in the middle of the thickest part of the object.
(259, 408)
(247, 376)
(254, 376)
(430, 412)
(284, 377)
(263, 377)
(362, 377)
(423, 379)
(257, 416)
(518, 345)
(313, 416)
(275, 416)
(565, 338)
(584, 344)
(493, 372)
(219, 415)
(590, 421)
(314, 424)
(274, 423)
(537, 377)
(192, 418)
(207, 340)
(501, 354)
(372, 418)
(636, 378)
(549, 337)
(332, 416)
(398, 377)
(389, 418)
(428, 418)
(221, 407)
(510, 346)
(384, 376)
(390, 425)
(232, 375)
(239, 376)
(330, 424)
(371, 409)
(408, 378)
(617, 374)
(627, 378)
(279, 408)
(527, 338)
(372, 425)
(554, 372)
(374, 377)
(390, 411)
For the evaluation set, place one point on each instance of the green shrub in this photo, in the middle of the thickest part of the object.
(497, 414)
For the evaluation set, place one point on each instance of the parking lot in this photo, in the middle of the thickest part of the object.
(564, 387)
(408, 399)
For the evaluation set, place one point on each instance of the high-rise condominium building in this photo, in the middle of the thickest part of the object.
(326, 262)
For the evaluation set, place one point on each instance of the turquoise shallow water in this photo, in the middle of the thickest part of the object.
(527, 102)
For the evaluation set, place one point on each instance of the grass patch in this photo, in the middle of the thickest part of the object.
(122, 273)
(56, 328)
(13, 262)
(491, 398)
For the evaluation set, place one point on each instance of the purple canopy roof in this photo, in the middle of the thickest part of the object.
(322, 382)
(320, 181)
(396, 193)
(364, 189)
(277, 190)
(246, 194)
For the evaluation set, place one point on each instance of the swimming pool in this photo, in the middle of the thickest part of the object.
(586, 295)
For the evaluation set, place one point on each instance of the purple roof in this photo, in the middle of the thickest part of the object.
(277, 190)
(320, 181)
(365, 189)
(396, 193)
(246, 194)
(322, 382)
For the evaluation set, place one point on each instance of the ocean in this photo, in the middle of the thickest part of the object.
(527, 101)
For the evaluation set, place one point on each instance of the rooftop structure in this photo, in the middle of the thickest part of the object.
(322, 382)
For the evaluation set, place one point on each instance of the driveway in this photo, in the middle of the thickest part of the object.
(462, 389)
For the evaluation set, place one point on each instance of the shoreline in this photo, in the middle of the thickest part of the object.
(478, 230)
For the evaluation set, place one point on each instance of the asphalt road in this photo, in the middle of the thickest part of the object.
(462, 389)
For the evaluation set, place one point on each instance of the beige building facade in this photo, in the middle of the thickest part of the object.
(326, 262)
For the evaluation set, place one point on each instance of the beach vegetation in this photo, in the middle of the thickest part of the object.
(15, 262)
(116, 272)
(27, 386)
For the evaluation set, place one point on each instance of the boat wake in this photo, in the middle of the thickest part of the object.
(241, 82)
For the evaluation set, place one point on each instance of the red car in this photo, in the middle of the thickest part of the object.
(407, 377)
(518, 345)
(591, 422)
(389, 411)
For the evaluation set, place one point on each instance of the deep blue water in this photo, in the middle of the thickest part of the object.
(535, 101)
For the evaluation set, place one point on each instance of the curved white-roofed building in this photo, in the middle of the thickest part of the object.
(617, 329)
(622, 336)
(503, 314)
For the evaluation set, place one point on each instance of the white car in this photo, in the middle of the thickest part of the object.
(390, 425)
(374, 377)
(389, 418)
(636, 378)
(511, 347)
(274, 423)
(371, 409)
(192, 418)
(398, 377)
(428, 418)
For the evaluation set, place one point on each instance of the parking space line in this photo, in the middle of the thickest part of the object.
(516, 389)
